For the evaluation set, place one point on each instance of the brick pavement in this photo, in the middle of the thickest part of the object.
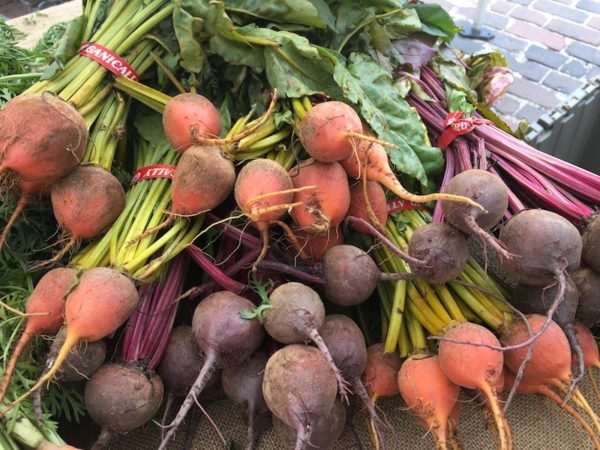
(552, 45)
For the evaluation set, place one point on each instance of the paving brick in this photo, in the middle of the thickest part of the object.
(14, 9)
(594, 22)
(561, 83)
(593, 73)
(577, 32)
(508, 42)
(502, 6)
(589, 5)
(544, 56)
(508, 105)
(467, 45)
(534, 33)
(530, 113)
(575, 68)
(498, 21)
(534, 92)
(468, 12)
(585, 52)
(565, 12)
(529, 15)
(529, 69)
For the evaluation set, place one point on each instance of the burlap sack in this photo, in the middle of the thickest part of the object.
(536, 423)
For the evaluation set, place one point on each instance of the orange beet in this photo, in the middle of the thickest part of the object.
(428, 393)
(551, 357)
(101, 302)
(475, 367)
(315, 246)
(87, 201)
(323, 131)
(326, 205)
(189, 116)
(381, 374)
(589, 346)
(204, 177)
(358, 205)
(41, 153)
(47, 301)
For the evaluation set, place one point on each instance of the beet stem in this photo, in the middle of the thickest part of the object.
(342, 383)
(213, 271)
(207, 287)
(103, 440)
(361, 392)
(291, 270)
(396, 276)
(389, 244)
(205, 373)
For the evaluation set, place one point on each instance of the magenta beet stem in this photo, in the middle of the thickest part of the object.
(213, 271)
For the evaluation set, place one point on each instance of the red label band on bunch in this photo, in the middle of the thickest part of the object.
(155, 171)
(397, 205)
(456, 125)
(108, 59)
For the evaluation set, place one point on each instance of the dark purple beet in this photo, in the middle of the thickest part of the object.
(299, 388)
(225, 338)
(537, 300)
(295, 317)
(591, 244)
(588, 284)
(546, 244)
(444, 249)
(243, 385)
(547, 247)
(181, 363)
(490, 192)
(351, 275)
(349, 351)
(325, 431)
(121, 398)
(83, 360)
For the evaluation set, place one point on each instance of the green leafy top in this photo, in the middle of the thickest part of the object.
(261, 290)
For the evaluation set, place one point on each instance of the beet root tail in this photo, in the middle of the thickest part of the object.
(344, 391)
(550, 394)
(12, 363)
(203, 377)
(375, 421)
(501, 424)
(69, 343)
(23, 200)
